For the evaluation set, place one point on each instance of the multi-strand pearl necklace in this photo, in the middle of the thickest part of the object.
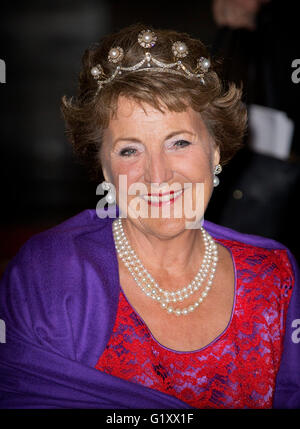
(151, 288)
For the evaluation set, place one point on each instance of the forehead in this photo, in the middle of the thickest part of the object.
(131, 114)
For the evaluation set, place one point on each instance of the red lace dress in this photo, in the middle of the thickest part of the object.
(237, 369)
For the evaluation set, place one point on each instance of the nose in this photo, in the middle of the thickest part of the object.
(158, 169)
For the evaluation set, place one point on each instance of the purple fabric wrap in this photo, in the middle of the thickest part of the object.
(58, 299)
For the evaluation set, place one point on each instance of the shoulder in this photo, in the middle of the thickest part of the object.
(55, 259)
(69, 237)
(59, 278)
(260, 260)
(82, 224)
(222, 232)
(251, 244)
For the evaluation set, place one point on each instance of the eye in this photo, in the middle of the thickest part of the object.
(127, 151)
(181, 143)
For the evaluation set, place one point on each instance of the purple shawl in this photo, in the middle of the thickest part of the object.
(58, 300)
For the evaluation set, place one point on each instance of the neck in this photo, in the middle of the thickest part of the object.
(176, 253)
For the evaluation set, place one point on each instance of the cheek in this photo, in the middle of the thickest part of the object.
(128, 168)
(132, 170)
(197, 167)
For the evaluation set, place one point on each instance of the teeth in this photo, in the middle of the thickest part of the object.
(163, 198)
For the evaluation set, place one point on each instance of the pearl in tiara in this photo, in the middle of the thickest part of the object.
(147, 39)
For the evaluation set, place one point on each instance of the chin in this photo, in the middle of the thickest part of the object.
(164, 228)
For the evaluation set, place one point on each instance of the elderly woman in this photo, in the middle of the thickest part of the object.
(155, 308)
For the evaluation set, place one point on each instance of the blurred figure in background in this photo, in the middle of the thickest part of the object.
(237, 13)
(257, 39)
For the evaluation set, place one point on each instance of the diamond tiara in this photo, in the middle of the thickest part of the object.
(147, 39)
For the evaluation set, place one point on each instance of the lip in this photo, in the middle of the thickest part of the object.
(161, 194)
(173, 197)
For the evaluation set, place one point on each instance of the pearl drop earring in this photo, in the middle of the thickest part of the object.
(218, 169)
(110, 196)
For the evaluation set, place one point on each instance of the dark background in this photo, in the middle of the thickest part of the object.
(42, 44)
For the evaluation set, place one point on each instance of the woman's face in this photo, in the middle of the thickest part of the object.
(164, 155)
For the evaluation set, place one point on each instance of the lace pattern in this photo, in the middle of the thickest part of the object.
(237, 369)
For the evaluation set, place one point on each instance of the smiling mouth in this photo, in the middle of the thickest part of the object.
(159, 199)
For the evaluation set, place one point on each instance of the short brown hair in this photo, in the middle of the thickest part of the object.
(88, 114)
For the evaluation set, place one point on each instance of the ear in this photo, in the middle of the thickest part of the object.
(105, 175)
(216, 155)
(104, 166)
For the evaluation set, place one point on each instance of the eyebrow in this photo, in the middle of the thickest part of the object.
(135, 140)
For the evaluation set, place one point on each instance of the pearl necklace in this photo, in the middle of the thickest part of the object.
(151, 288)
